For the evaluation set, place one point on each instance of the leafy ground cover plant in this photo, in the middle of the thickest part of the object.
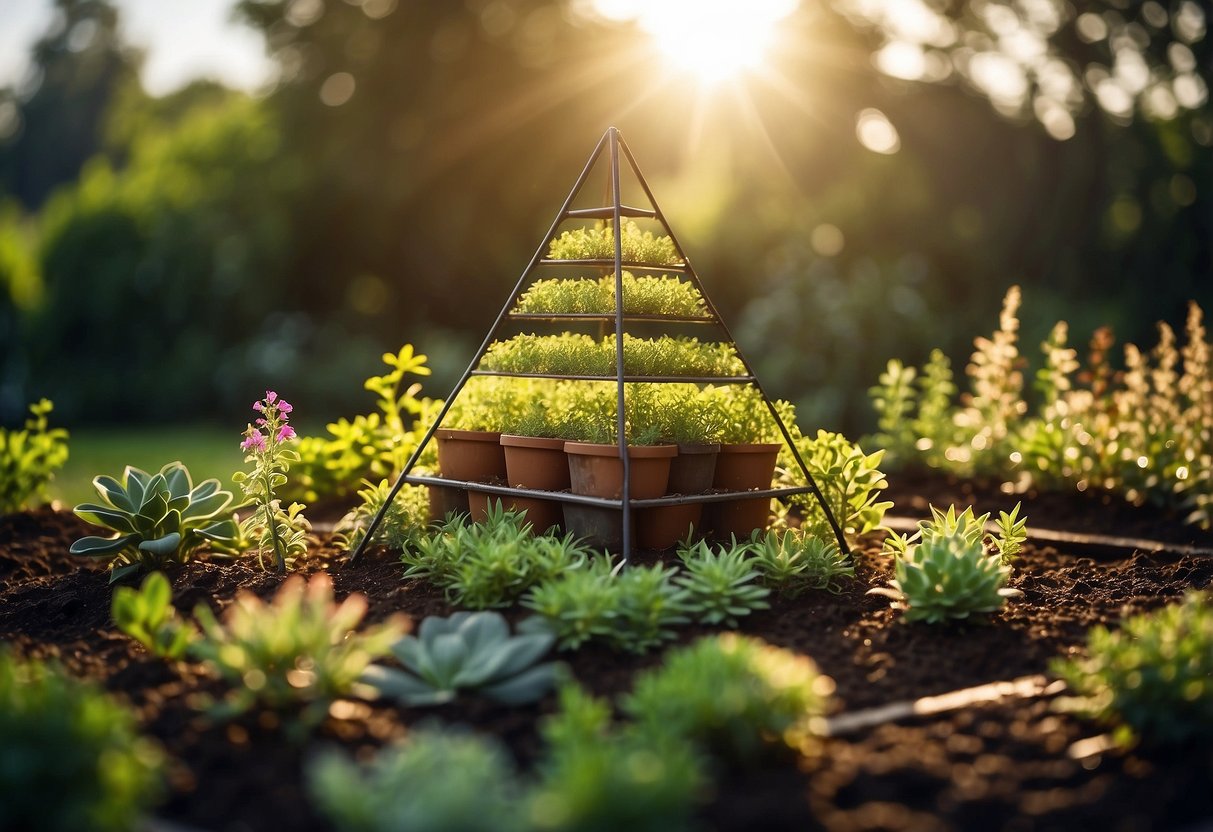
(598, 778)
(147, 615)
(29, 459)
(635, 609)
(471, 652)
(791, 561)
(730, 694)
(577, 354)
(71, 758)
(943, 572)
(644, 295)
(373, 446)
(157, 519)
(721, 585)
(1151, 680)
(280, 531)
(438, 780)
(598, 243)
(299, 649)
(491, 564)
(1142, 433)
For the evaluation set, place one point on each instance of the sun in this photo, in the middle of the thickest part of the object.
(710, 40)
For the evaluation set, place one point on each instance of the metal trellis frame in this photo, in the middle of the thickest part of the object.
(611, 142)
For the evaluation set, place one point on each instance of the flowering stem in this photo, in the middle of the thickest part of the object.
(268, 508)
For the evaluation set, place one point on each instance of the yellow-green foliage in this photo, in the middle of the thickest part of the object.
(644, 295)
(29, 459)
(598, 243)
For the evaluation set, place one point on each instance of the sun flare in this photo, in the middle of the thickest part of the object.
(711, 40)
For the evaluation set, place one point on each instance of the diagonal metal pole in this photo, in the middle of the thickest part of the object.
(621, 403)
(488, 339)
(783, 429)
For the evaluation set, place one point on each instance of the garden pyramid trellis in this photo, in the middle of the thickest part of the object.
(614, 213)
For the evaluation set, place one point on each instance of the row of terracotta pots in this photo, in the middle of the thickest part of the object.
(596, 470)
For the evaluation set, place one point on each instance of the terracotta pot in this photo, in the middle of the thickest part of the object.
(742, 468)
(445, 500)
(541, 514)
(597, 470)
(663, 527)
(470, 455)
(694, 469)
(535, 462)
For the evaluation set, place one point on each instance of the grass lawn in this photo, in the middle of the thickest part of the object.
(206, 450)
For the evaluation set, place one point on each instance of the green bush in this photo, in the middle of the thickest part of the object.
(792, 561)
(730, 694)
(29, 459)
(721, 585)
(147, 615)
(70, 758)
(438, 780)
(1150, 680)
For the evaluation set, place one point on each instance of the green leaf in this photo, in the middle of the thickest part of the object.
(112, 490)
(98, 546)
(162, 546)
(526, 686)
(177, 478)
(104, 516)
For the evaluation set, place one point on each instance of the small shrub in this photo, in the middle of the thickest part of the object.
(849, 479)
(29, 459)
(947, 574)
(1150, 680)
(466, 652)
(298, 649)
(147, 615)
(491, 564)
(730, 694)
(721, 586)
(438, 780)
(595, 779)
(598, 243)
(792, 561)
(403, 524)
(158, 519)
(69, 755)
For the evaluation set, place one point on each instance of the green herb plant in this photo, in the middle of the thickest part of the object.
(439, 779)
(598, 243)
(943, 571)
(299, 650)
(722, 585)
(147, 615)
(1151, 680)
(29, 459)
(71, 756)
(644, 295)
(578, 354)
(404, 524)
(849, 479)
(491, 564)
(467, 652)
(157, 519)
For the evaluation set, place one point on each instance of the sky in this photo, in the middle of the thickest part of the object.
(182, 40)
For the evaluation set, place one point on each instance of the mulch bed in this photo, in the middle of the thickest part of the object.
(998, 766)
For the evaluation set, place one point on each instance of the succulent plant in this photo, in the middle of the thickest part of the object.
(471, 651)
(158, 519)
(947, 577)
(1152, 679)
(721, 586)
(792, 561)
(298, 649)
(147, 615)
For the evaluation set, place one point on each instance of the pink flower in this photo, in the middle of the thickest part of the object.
(255, 441)
(287, 432)
(284, 407)
(260, 423)
(257, 407)
(270, 397)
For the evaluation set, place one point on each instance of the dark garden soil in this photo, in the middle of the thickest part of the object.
(1002, 765)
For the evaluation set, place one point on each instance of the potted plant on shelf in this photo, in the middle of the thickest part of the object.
(577, 354)
(750, 444)
(469, 440)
